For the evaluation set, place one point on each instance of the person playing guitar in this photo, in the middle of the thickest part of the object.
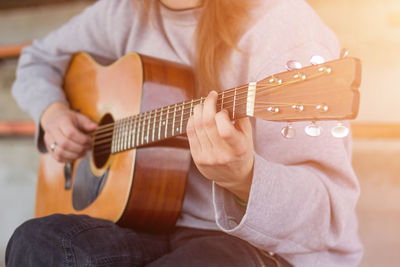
(252, 197)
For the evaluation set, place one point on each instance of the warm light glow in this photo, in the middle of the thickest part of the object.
(371, 31)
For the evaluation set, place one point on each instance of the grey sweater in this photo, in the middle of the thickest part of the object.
(304, 190)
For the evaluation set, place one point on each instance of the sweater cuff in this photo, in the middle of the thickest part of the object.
(232, 217)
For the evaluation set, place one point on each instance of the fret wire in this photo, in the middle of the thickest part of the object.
(173, 121)
(113, 137)
(234, 103)
(191, 108)
(148, 128)
(154, 125)
(121, 135)
(134, 131)
(118, 135)
(142, 130)
(159, 128)
(183, 109)
(222, 100)
(138, 130)
(125, 133)
(166, 126)
(129, 132)
(121, 145)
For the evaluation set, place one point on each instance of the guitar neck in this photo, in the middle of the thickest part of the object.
(320, 92)
(153, 126)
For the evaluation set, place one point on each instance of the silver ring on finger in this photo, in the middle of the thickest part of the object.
(53, 146)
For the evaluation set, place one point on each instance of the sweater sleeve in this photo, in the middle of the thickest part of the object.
(302, 195)
(42, 66)
(304, 190)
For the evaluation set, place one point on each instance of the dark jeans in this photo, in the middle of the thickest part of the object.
(78, 240)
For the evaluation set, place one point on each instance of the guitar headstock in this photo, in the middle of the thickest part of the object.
(321, 92)
(327, 91)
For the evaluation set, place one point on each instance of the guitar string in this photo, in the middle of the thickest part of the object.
(103, 148)
(148, 129)
(106, 147)
(147, 120)
(262, 86)
(101, 138)
(223, 92)
(143, 117)
(123, 141)
(133, 124)
(169, 110)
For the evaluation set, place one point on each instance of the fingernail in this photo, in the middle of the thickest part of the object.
(212, 93)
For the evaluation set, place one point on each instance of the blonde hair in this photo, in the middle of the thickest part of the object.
(220, 26)
(219, 29)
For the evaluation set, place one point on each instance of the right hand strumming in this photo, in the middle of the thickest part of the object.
(66, 132)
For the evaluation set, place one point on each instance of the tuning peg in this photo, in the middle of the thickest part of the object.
(344, 53)
(317, 60)
(275, 80)
(313, 130)
(340, 131)
(288, 131)
(322, 108)
(298, 107)
(273, 110)
(293, 65)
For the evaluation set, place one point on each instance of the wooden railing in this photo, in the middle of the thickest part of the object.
(10, 51)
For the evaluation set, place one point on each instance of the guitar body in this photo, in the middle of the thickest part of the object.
(139, 188)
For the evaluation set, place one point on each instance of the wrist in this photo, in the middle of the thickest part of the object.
(50, 111)
(239, 201)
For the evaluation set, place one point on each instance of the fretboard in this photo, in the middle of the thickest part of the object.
(166, 122)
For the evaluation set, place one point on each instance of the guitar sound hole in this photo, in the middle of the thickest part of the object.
(103, 141)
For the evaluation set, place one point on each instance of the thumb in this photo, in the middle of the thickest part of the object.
(84, 123)
(244, 126)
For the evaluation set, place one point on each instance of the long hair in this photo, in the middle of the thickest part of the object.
(220, 26)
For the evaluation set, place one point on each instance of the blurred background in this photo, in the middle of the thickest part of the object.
(369, 29)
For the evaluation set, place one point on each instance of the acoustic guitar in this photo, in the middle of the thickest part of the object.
(135, 173)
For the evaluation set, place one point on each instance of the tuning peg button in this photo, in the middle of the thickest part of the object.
(293, 65)
(344, 53)
(317, 60)
(322, 108)
(340, 131)
(288, 132)
(313, 130)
